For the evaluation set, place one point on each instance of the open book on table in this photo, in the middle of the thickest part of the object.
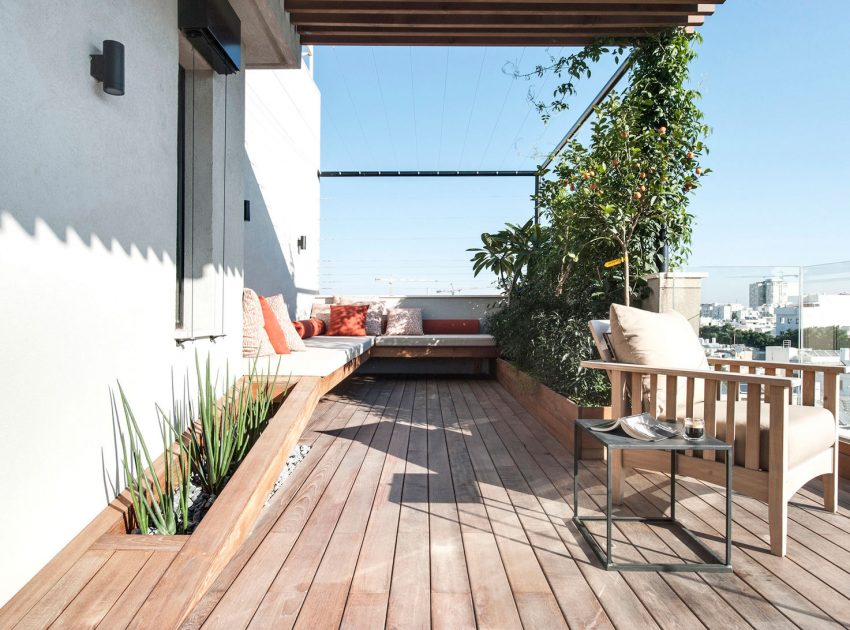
(642, 426)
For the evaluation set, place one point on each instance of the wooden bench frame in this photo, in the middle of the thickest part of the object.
(780, 481)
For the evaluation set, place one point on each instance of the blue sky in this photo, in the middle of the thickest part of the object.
(773, 78)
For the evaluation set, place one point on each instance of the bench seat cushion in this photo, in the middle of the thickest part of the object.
(323, 356)
(449, 341)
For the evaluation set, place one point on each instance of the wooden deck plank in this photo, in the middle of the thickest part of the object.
(242, 598)
(410, 593)
(126, 607)
(324, 604)
(534, 599)
(620, 602)
(492, 597)
(281, 604)
(92, 604)
(268, 518)
(781, 582)
(63, 592)
(369, 592)
(451, 598)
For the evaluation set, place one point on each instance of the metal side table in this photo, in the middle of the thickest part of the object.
(619, 440)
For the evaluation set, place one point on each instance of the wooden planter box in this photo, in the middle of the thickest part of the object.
(190, 564)
(555, 412)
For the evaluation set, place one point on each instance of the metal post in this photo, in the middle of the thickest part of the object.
(536, 200)
(609, 507)
(673, 485)
(729, 508)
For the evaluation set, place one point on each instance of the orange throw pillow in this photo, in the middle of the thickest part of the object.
(307, 328)
(348, 320)
(273, 328)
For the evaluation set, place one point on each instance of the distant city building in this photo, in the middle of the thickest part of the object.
(819, 310)
(771, 292)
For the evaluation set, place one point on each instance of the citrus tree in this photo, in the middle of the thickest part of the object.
(634, 179)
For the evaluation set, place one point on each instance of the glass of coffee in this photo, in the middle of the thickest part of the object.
(694, 429)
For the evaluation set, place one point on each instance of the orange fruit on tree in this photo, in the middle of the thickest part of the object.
(643, 188)
(698, 170)
(662, 130)
(637, 195)
(690, 155)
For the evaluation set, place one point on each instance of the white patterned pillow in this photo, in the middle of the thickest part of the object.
(321, 311)
(404, 321)
(255, 339)
(375, 319)
(281, 313)
(374, 316)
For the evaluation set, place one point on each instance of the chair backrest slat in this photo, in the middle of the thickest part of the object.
(636, 392)
(751, 443)
(710, 411)
(809, 389)
(670, 403)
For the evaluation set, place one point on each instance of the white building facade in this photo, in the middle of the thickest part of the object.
(118, 264)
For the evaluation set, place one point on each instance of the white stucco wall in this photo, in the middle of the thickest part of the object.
(87, 248)
(282, 143)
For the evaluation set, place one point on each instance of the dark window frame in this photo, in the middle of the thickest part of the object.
(180, 253)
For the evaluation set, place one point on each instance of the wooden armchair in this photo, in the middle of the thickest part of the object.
(779, 446)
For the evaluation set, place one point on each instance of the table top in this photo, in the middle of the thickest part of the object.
(618, 439)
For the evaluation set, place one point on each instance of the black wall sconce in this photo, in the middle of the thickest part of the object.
(108, 67)
(247, 210)
(302, 243)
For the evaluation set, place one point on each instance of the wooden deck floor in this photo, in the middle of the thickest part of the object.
(442, 503)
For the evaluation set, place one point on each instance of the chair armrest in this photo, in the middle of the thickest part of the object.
(802, 367)
(707, 375)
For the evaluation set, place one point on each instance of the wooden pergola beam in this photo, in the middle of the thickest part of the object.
(308, 22)
(495, 7)
(488, 22)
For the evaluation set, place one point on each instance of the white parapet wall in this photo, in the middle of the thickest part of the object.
(433, 306)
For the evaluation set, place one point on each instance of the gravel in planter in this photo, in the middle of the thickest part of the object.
(295, 457)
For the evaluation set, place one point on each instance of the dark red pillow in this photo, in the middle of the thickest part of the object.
(273, 328)
(307, 328)
(451, 327)
(348, 320)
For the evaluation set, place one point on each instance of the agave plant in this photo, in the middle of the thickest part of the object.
(153, 501)
(227, 430)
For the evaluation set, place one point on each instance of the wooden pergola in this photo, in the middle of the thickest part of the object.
(486, 22)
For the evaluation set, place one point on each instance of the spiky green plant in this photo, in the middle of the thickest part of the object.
(153, 501)
(227, 431)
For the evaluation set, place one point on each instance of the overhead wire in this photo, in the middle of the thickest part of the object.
(531, 108)
(384, 106)
(366, 142)
(443, 110)
(413, 95)
(472, 107)
(501, 111)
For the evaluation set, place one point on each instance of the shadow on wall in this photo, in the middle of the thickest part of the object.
(268, 270)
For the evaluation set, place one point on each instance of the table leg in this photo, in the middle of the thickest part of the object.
(673, 463)
(609, 508)
(729, 507)
(576, 456)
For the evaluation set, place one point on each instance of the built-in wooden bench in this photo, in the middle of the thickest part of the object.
(435, 346)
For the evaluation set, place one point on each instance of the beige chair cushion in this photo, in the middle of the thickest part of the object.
(811, 430)
(664, 340)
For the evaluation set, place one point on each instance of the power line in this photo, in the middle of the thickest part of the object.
(353, 105)
(532, 107)
(443, 111)
(472, 107)
(384, 106)
(501, 111)
(413, 94)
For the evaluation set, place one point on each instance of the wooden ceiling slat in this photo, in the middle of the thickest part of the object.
(488, 22)
(297, 7)
(305, 20)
